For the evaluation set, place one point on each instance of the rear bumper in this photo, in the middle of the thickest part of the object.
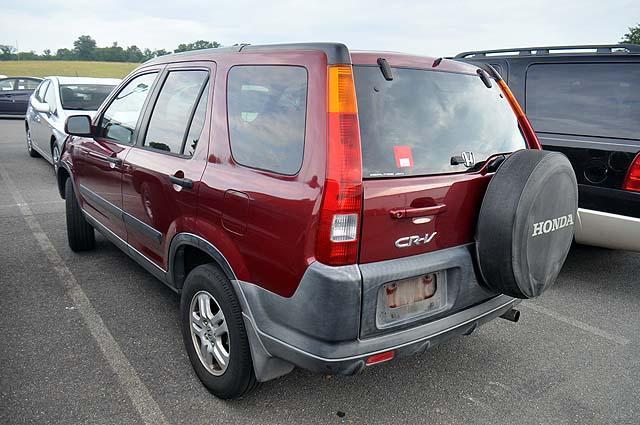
(405, 343)
(608, 230)
(329, 326)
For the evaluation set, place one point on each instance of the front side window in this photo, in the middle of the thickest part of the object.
(118, 123)
(173, 112)
(267, 108)
(83, 97)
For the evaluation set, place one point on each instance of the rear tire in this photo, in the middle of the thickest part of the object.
(224, 332)
(80, 234)
(32, 152)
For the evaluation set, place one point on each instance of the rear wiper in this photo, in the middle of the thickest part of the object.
(385, 68)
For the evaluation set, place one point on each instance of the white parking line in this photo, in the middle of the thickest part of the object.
(31, 203)
(138, 393)
(576, 323)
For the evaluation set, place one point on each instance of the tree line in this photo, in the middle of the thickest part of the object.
(85, 48)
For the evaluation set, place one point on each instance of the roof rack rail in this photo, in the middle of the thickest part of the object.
(337, 53)
(558, 50)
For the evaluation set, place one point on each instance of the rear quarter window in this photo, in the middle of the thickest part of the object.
(588, 99)
(267, 108)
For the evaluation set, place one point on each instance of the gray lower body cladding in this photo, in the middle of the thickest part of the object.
(329, 324)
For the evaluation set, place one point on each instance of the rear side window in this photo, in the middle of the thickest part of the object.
(26, 84)
(6, 85)
(174, 109)
(415, 124)
(589, 99)
(197, 124)
(83, 97)
(267, 108)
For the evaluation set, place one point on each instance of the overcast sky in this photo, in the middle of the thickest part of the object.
(438, 28)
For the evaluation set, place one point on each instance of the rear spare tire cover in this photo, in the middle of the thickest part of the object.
(526, 223)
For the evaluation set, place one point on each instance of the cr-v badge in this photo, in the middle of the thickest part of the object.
(408, 241)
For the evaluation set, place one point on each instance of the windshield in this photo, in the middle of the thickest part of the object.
(429, 122)
(83, 97)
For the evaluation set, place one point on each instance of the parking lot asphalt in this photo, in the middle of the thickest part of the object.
(93, 338)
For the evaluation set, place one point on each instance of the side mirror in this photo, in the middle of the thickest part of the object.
(41, 107)
(78, 125)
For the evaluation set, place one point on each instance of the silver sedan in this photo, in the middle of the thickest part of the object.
(52, 102)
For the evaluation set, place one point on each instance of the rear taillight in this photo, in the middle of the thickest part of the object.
(632, 182)
(523, 121)
(337, 242)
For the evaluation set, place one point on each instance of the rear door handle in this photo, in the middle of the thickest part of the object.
(181, 181)
(400, 213)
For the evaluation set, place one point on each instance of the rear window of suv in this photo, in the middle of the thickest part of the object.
(414, 124)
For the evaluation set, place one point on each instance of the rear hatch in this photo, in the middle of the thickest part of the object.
(425, 135)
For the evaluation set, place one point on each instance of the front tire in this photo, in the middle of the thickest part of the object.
(80, 234)
(214, 334)
(32, 152)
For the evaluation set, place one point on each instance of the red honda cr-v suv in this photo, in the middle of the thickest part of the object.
(317, 207)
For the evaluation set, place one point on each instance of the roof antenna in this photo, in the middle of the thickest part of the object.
(436, 62)
(385, 68)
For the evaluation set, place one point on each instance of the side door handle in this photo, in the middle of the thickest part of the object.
(114, 160)
(181, 181)
(417, 212)
(110, 159)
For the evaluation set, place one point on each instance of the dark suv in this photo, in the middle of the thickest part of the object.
(584, 101)
(317, 207)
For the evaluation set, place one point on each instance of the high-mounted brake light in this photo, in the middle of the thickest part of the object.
(529, 134)
(632, 182)
(337, 242)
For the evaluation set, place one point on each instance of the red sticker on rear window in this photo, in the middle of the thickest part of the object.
(404, 157)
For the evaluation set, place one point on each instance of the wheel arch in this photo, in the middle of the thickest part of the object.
(61, 177)
(266, 366)
(201, 251)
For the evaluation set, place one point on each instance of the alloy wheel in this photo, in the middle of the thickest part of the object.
(29, 142)
(56, 158)
(209, 333)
